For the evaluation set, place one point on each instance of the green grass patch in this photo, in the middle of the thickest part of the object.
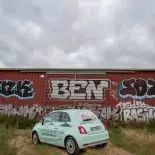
(137, 138)
(132, 124)
(5, 137)
(46, 149)
(137, 141)
(115, 136)
(17, 122)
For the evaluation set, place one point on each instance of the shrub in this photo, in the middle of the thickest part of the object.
(24, 123)
(132, 124)
(17, 122)
(5, 147)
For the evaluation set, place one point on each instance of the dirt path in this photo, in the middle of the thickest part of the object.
(112, 150)
(24, 145)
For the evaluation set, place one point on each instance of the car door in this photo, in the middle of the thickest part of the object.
(55, 117)
(64, 126)
(43, 129)
(49, 128)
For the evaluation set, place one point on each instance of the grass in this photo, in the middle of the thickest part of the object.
(128, 139)
(45, 149)
(17, 122)
(136, 141)
(5, 147)
(141, 142)
(22, 142)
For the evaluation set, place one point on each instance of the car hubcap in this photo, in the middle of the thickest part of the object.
(35, 139)
(70, 146)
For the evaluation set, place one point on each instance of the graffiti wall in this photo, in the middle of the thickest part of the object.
(21, 93)
(68, 89)
(122, 97)
(137, 88)
(136, 110)
(33, 111)
(110, 96)
(133, 95)
(21, 89)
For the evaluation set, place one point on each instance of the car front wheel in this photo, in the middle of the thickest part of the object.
(35, 138)
(72, 146)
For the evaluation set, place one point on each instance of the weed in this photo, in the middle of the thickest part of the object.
(132, 124)
(5, 148)
(136, 138)
(17, 122)
(140, 141)
(137, 141)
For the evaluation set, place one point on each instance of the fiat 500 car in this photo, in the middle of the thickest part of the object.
(72, 129)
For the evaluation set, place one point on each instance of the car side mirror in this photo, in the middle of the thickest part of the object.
(42, 121)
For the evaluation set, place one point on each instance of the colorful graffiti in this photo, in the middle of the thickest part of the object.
(136, 110)
(25, 111)
(127, 100)
(137, 88)
(21, 89)
(124, 111)
(113, 91)
(78, 89)
(103, 113)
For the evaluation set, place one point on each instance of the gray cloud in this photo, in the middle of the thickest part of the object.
(79, 33)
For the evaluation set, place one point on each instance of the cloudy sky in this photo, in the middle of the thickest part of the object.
(77, 33)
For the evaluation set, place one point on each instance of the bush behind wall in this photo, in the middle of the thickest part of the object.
(132, 124)
(19, 122)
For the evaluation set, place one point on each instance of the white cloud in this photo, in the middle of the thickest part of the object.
(29, 28)
(78, 33)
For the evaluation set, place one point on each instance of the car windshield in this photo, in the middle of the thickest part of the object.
(83, 116)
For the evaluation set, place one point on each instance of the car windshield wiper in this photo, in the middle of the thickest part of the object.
(88, 119)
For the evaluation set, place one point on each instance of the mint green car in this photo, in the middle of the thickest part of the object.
(72, 129)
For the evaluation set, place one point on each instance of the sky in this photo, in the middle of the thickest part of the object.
(77, 33)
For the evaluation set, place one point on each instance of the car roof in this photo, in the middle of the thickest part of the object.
(71, 110)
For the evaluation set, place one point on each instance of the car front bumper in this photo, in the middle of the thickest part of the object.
(85, 141)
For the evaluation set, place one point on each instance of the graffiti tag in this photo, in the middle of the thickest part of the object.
(78, 89)
(19, 89)
(137, 88)
(103, 113)
(25, 111)
(136, 110)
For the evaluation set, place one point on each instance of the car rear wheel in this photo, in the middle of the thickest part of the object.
(72, 147)
(35, 138)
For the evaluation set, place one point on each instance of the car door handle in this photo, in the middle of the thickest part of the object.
(55, 128)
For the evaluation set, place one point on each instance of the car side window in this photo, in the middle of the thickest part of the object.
(65, 117)
(47, 119)
(53, 117)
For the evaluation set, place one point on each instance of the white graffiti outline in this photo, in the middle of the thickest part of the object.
(23, 110)
(129, 109)
(139, 111)
(78, 79)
